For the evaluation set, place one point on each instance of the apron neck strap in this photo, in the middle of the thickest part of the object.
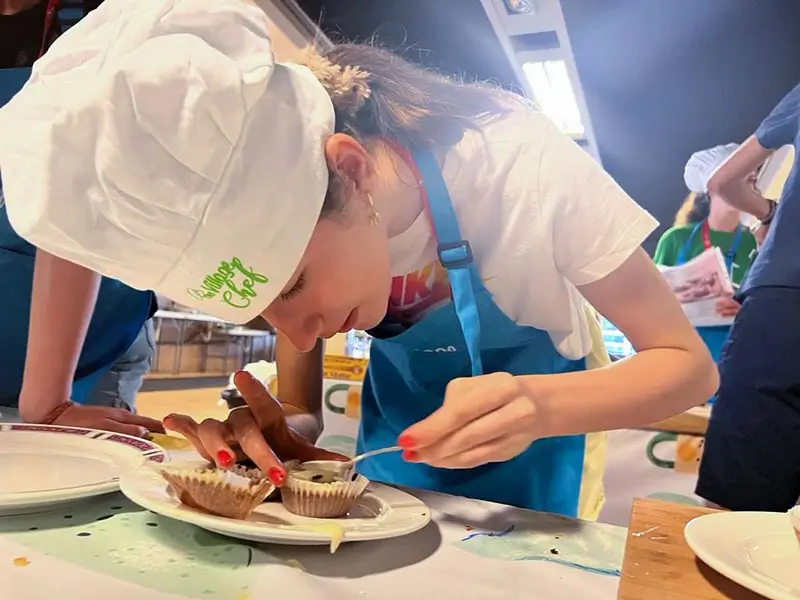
(705, 229)
(455, 253)
(686, 246)
(735, 243)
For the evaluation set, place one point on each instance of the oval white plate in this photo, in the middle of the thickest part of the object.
(755, 549)
(46, 465)
(382, 512)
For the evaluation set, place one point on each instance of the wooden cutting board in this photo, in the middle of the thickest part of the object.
(658, 563)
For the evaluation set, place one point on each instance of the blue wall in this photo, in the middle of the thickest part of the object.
(664, 78)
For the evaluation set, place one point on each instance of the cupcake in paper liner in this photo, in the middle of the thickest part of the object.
(794, 517)
(320, 489)
(233, 494)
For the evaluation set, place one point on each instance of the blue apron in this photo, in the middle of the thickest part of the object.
(410, 367)
(118, 317)
(714, 337)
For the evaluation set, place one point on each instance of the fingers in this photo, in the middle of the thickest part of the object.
(147, 423)
(498, 450)
(253, 444)
(727, 307)
(213, 435)
(124, 428)
(265, 408)
(465, 400)
(484, 432)
(301, 449)
(271, 421)
(187, 427)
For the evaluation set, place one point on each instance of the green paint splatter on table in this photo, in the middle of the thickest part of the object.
(114, 537)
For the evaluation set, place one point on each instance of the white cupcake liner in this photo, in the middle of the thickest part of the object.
(321, 500)
(233, 494)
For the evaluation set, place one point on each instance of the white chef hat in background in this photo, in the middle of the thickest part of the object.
(703, 164)
(158, 143)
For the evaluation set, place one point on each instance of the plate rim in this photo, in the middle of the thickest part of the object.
(737, 575)
(289, 536)
(24, 500)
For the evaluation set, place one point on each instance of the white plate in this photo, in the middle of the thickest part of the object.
(757, 550)
(382, 512)
(46, 465)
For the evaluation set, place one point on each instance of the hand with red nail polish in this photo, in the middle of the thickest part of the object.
(225, 459)
(258, 432)
(484, 419)
(406, 442)
(277, 475)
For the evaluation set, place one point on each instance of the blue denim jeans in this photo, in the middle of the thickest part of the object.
(119, 385)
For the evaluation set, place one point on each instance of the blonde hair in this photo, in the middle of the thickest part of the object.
(693, 210)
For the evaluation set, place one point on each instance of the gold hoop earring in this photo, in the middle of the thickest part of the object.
(374, 216)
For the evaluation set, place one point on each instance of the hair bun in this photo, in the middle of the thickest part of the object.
(348, 86)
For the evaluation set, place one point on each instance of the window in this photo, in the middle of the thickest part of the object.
(553, 93)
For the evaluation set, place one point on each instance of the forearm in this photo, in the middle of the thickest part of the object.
(300, 386)
(309, 426)
(62, 302)
(636, 392)
(746, 198)
(733, 180)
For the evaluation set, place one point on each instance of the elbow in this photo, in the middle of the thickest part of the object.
(706, 376)
(722, 185)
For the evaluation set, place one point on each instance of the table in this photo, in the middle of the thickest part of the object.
(658, 563)
(107, 548)
(692, 422)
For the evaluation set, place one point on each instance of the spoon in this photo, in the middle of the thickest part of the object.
(352, 462)
(346, 469)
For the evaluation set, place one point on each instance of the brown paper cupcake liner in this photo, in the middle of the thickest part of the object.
(321, 500)
(258, 475)
(224, 493)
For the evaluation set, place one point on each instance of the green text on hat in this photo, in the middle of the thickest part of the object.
(232, 282)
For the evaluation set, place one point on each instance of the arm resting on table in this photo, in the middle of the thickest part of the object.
(62, 302)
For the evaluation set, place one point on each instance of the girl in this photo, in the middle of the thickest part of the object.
(706, 220)
(48, 304)
(356, 191)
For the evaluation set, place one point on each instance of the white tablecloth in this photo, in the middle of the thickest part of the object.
(108, 547)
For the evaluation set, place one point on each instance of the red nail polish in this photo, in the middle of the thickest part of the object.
(406, 441)
(277, 476)
(410, 456)
(225, 459)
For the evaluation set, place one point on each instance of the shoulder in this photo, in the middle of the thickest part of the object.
(781, 126)
(518, 136)
(676, 234)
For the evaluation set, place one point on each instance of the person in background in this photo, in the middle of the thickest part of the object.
(751, 459)
(704, 221)
(354, 190)
(67, 334)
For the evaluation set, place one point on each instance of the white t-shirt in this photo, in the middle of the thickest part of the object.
(542, 217)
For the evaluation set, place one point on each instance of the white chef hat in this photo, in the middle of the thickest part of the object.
(158, 143)
(703, 164)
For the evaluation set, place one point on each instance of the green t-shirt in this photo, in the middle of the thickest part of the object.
(669, 247)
